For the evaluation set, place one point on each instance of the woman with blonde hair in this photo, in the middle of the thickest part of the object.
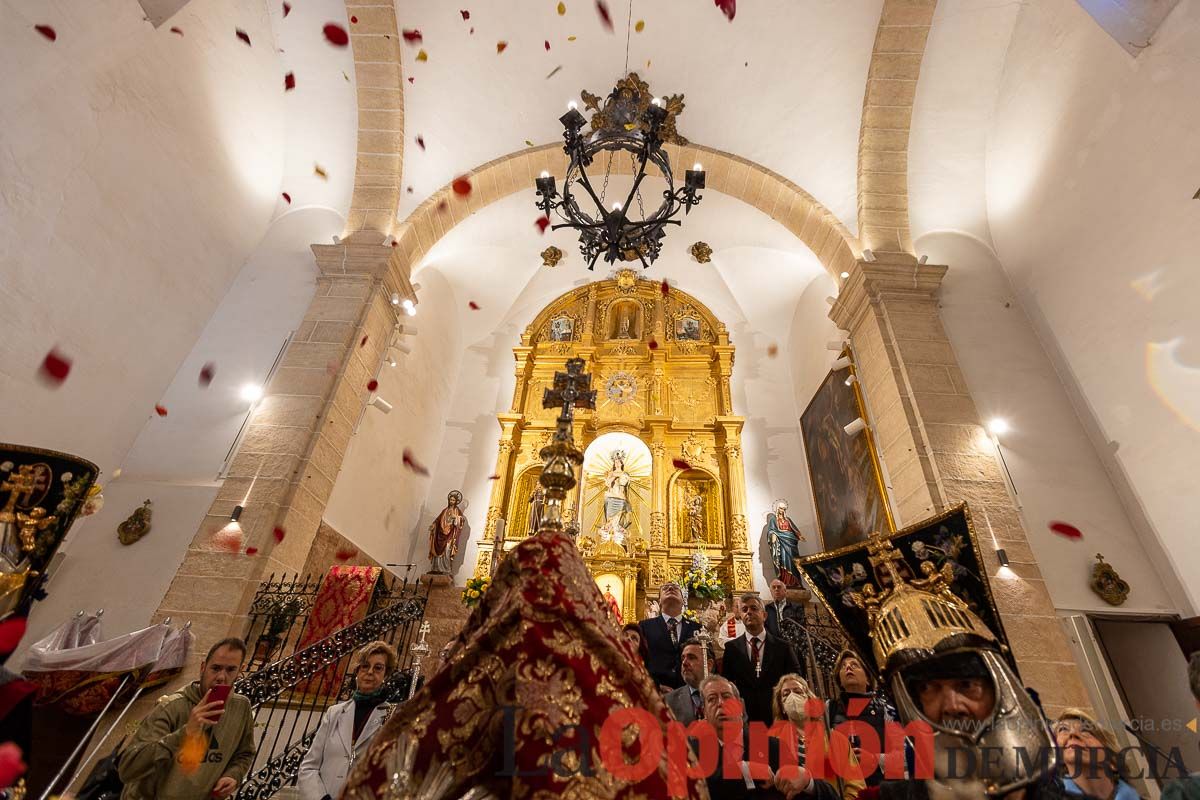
(790, 701)
(1095, 765)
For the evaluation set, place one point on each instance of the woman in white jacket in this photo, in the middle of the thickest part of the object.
(347, 728)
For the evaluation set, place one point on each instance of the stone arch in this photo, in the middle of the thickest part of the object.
(769, 192)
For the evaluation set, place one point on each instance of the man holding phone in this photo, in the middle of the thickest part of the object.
(197, 743)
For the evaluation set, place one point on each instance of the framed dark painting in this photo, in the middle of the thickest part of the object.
(843, 469)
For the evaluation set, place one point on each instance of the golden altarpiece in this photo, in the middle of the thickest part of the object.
(662, 474)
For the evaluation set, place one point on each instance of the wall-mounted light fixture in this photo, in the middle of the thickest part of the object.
(1002, 556)
(868, 255)
(237, 514)
(841, 363)
(856, 427)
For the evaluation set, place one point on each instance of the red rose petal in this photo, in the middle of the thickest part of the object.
(160, 410)
(605, 17)
(345, 553)
(287, 9)
(466, 15)
(363, 343)
(408, 189)
(411, 80)
(245, 37)
(542, 223)
(354, 20)
(55, 368)
(289, 82)
(413, 36)
(413, 464)
(176, 30)
(547, 43)
(652, 344)
(773, 350)
(473, 305)
(728, 7)
(47, 31)
(421, 142)
(372, 385)
(287, 198)
(251, 551)
(665, 287)
(494, 477)
(11, 631)
(336, 34)
(472, 31)
(320, 172)
(442, 205)
(12, 766)
(461, 186)
(501, 47)
(207, 372)
(1066, 529)
(679, 463)
(278, 533)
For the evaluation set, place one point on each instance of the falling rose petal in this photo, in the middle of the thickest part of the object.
(336, 34)
(412, 36)
(466, 15)
(442, 205)
(652, 344)
(278, 533)
(547, 43)
(345, 553)
(354, 20)
(363, 343)
(207, 372)
(319, 171)
(412, 463)
(287, 198)
(679, 463)
(160, 410)
(251, 551)
(494, 476)
(1066, 529)
(570, 38)
(176, 30)
(640, 26)
(473, 305)
(11, 631)
(245, 37)
(410, 79)
(408, 189)
(47, 31)
(55, 368)
(372, 385)
(472, 31)
(421, 142)
(528, 143)
(501, 47)
(542, 223)
(287, 9)
(665, 287)
(605, 17)
(12, 766)
(422, 56)
(461, 186)
(772, 350)
(554, 72)
(289, 82)
(344, 75)
(562, 9)
(728, 7)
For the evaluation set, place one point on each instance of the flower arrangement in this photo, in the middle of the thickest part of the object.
(691, 616)
(476, 587)
(702, 582)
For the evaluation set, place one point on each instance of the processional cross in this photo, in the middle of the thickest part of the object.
(572, 389)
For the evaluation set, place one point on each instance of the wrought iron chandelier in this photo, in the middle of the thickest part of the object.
(631, 121)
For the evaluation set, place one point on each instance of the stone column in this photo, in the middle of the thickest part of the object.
(521, 371)
(294, 443)
(658, 503)
(735, 477)
(724, 353)
(937, 453)
(500, 489)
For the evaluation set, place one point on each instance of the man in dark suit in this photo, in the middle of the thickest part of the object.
(757, 660)
(664, 636)
(685, 702)
(780, 608)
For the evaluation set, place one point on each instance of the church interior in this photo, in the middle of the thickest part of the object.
(303, 304)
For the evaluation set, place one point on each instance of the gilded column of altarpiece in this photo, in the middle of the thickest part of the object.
(661, 362)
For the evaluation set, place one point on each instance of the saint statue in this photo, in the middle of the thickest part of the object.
(614, 608)
(616, 484)
(537, 504)
(784, 539)
(443, 534)
(695, 514)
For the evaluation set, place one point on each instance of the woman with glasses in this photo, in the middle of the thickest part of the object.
(347, 728)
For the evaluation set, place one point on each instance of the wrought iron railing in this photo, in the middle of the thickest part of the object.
(290, 694)
(280, 611)
(817, 641)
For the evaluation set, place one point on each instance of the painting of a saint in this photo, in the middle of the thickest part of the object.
(687, 329)
(562, 329)
(846, 484)
(625, 325)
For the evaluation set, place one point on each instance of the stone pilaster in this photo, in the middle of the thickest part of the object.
(937, 453)
(294, 443)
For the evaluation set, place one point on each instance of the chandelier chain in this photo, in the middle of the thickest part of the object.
(628, 29)
(604, 188)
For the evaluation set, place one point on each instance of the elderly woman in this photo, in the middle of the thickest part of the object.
(1092, 757)
(790, 701)
(347, 728)
(858, 701)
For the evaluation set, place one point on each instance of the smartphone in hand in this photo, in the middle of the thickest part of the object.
(219, 694)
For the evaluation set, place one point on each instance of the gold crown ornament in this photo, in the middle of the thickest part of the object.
(912, 614)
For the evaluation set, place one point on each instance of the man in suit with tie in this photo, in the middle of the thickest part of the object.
(664, 636)
(685, 702)
(756, 661)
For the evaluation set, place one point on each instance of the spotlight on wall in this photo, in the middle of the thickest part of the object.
(922, 260)
(856, 427)
(845, 275)
(389, 241)
(337, 240)
(869, 255)
(381, 404)
(416, 287)
(840, 363)
(252, 392)
(831, 299)
(997, 426)
(1002, 556)
(237, 514)
(402, 347)
(850, 381)
(835, 345)
(409, 307)
(391, 361)
(395, 298)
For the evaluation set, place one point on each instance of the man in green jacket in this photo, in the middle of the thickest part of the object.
(190, 747)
